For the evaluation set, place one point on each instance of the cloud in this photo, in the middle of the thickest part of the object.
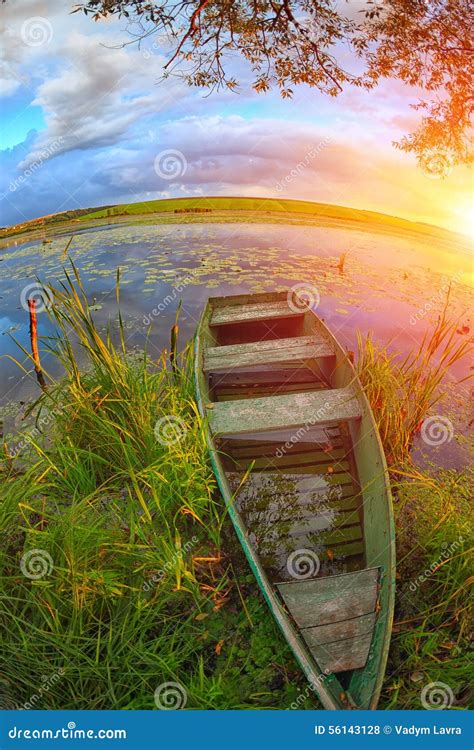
(90, 88)
(107, 121)
(218, 155)
(97, 96)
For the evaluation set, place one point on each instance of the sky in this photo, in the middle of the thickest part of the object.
(85, 121)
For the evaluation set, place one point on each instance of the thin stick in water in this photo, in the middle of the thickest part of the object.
(34, 343)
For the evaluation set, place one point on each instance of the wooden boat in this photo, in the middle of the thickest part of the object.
(300, 464)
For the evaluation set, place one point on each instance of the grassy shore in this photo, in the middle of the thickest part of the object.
(228, 210)
(120, 571)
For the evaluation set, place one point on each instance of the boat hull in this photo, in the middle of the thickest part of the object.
(239, 413)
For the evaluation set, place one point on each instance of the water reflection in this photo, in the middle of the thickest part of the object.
(386, 280)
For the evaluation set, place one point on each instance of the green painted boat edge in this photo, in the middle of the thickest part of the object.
(326, 686)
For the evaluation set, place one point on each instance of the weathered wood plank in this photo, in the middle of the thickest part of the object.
(318, 523)
(318, 518)
(314, 461)
(332, 480)
(266, 390)
(268, 449)
(276, 351)
(339, 631)
(278, 412)
(233, 314)
(300, 503)
(345, 551)
(341, 536)
(327, 435)
(258, 347)
(263, 485)
(320, 601)
(345, 533)
(340, 656)
(272, 375)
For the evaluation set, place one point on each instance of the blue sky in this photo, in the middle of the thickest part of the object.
(84, 120)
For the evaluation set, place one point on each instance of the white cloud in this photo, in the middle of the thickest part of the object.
(91, 89)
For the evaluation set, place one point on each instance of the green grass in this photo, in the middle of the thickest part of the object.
(143, 588)
(403, 390)
(432, 636)
(309, 208)
(144, 582)
(433, 614)
(262, 209)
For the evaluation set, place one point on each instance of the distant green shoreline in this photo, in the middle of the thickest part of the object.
(230, 209)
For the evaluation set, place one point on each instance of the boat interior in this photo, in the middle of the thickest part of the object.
(286, 421)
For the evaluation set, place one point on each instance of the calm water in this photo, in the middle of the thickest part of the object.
(391, 285)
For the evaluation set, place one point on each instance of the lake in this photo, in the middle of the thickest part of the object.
(392, 285)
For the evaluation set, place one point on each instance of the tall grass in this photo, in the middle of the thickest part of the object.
(115, 506)
(430, 640)
(402, 391)
(432, 635)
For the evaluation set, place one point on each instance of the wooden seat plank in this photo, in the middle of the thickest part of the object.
(318, 518)
(276, 351)
(266, 390)
(272, 375)
(285, 411)
(271, 526)
(327, 436)
(301, 505)
(320, 601)
(340, 656)
(339, 631)
(315, 524)
(233, 314)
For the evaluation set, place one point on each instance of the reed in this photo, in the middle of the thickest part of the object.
(402, 391)
(115, 505)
